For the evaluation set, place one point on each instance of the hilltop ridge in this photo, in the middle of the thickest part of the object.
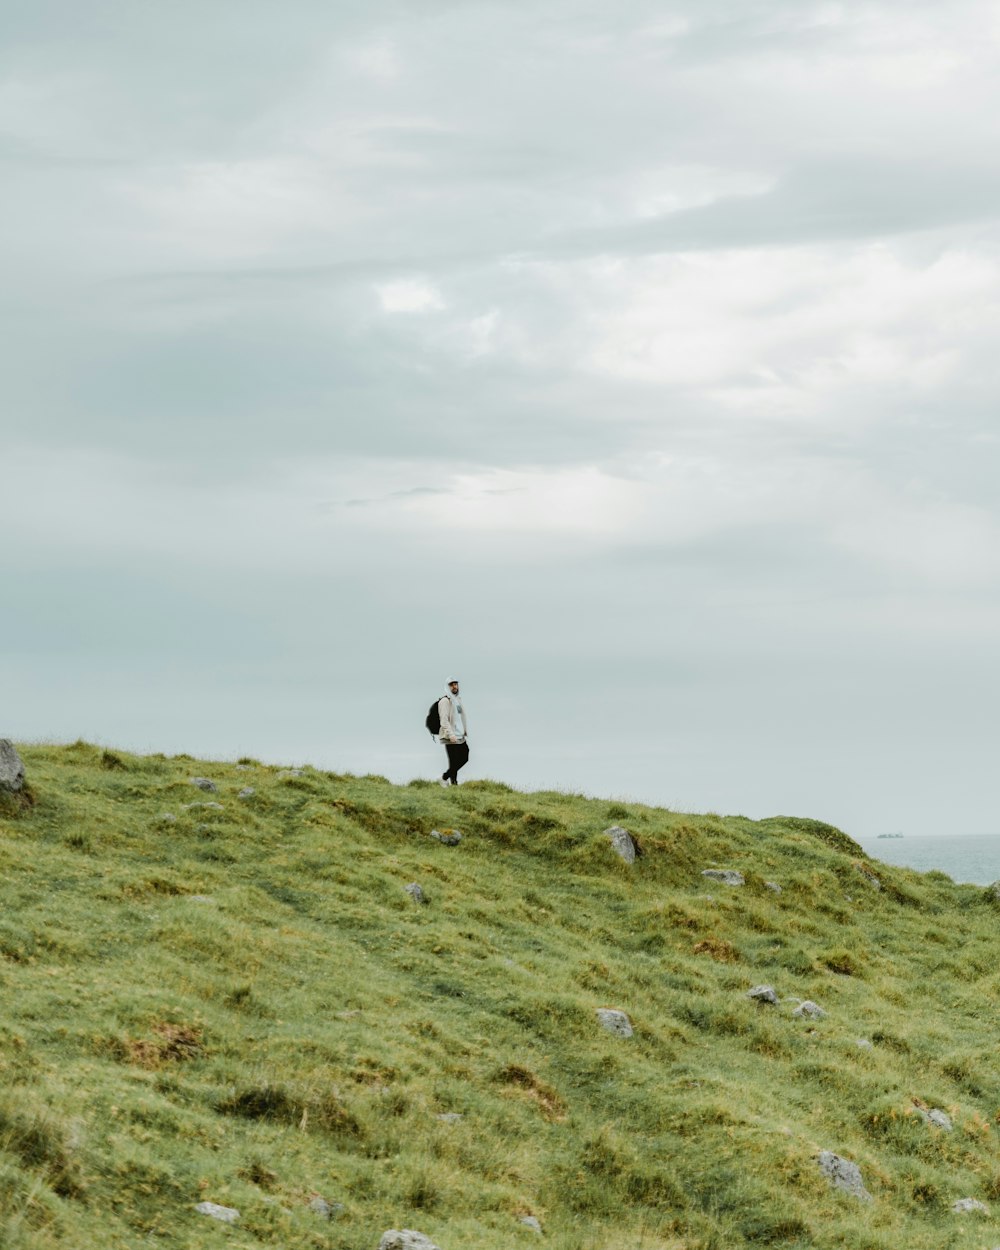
(208, 997)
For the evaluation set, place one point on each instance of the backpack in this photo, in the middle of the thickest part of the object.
(433, 721)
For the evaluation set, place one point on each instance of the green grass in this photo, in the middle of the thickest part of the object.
(244, 1006)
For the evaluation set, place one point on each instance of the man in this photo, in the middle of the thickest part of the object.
(451, 711)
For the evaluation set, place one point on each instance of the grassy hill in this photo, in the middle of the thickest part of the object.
(243, 1005)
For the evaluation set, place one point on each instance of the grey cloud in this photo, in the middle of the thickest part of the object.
(817, 203)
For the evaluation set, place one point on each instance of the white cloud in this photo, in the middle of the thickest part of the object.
(378, 61)
(409, 295)
(580, 501)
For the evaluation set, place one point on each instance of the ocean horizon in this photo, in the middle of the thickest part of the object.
(971, 858)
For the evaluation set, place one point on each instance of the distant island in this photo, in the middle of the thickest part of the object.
(890, 835)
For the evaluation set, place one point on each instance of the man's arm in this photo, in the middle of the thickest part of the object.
(446, 714)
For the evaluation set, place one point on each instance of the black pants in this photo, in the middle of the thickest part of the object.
(458, 757)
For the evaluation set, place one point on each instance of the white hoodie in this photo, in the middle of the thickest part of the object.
(450, 709)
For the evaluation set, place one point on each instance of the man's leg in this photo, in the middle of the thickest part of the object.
(459, 760)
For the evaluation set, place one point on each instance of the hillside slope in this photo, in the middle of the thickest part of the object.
(242, 1004)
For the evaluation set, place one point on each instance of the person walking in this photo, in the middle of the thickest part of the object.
(451, 712)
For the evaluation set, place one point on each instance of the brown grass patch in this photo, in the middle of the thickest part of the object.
(516, 1077)
(173, 1043)
(718, 949)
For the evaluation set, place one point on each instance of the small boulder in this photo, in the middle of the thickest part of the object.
(326, 1210)
(228, 1215)
(11, 768)
(621, 843)
(168, 817)
(966, 1205)
(863, 1043)
(415, 892)
(246, 793)
(809, 1011)
(842, 1174)
(205, 783)
(405, 1239)
(772, 886)
(531, 1221)
(763, 994)
(616, 1022)
(449, 1117)
(940, 1119)
(450, 837)
(215, 807)
(727, 876)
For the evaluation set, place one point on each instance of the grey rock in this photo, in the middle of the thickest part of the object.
(869, 876)
(215, 807)
(809, 1011)
(205, 783)
(246, 793)
(621, 843)
(763, 994)
(964, 1205)
(291, 772)
(531, 1221)
(939, 1119)
(450, 1117)
(228, 1215)
(616, 1022)
(169, 817)
(451, 838)
(863, 1043)
(327, 1210)
(415, 892)
(842, 1174)
(772, 886)
(11, 768)
(727, 876)
(200, 898)
(405, 1239)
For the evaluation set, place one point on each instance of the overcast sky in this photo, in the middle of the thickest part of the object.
(639, 364)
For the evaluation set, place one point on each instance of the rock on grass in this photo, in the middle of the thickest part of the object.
(616, 1022)
(405, 1239)
(621, 843)
(965, 1206)
(843, 1174)
(11, 768)
(727, 876)
(228, 1215)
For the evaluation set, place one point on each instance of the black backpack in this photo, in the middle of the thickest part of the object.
(433, 721)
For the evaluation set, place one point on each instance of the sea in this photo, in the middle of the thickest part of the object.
(964, 857)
